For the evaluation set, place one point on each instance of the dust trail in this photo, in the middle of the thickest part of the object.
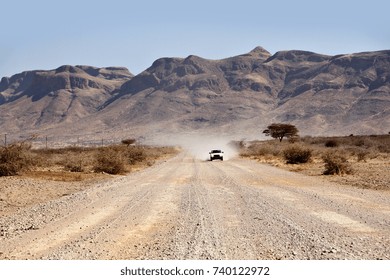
(199, 145)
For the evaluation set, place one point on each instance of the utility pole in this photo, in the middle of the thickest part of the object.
(46, 142)
(5, 140)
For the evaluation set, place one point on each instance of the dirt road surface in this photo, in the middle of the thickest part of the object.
(185, 208)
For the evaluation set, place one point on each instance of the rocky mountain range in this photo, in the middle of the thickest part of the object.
(241, 95)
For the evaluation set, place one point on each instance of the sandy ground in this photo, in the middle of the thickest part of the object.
(184, 208)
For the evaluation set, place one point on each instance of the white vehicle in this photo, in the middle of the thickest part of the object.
(216, 154)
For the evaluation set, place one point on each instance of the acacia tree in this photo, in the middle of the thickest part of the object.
(281, 130)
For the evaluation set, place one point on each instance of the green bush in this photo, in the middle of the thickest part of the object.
(336, 163)
(297, 154)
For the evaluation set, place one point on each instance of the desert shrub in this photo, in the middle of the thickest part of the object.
(336, 163)
(331, 143)
(135, 154)
(15, 158)
(109, 160)
(261, 150)
(73, 159)
(297, 154)
(74, 164)
(362, 155)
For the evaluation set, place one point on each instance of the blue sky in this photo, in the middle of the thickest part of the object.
(45, 34)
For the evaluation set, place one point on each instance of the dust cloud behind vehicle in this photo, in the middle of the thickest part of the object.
(200, 145)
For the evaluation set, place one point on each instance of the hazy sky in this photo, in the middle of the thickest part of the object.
(45, 34)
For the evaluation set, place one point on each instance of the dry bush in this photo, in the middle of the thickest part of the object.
(15, 158)
(360, 147)
(74, 159)
(365, 142)
(115, 159)
(354, 145)
(362, 155)
(109, 160)
(296, 154)
(74, 164)
(265, 150)
(135, 154)
(331, 143)
(336, 163)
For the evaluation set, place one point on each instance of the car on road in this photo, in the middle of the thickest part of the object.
(216, 154)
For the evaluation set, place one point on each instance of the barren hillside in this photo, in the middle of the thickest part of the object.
(42, 99)
(328, 95)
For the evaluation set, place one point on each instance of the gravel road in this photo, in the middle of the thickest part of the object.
(185, 208)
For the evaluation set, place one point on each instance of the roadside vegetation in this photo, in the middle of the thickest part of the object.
(359, 160)
(76, 163)
(15, 158)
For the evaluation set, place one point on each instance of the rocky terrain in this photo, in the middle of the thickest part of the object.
(241, 95)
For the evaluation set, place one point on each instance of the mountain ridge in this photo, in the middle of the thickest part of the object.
(321, 94)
